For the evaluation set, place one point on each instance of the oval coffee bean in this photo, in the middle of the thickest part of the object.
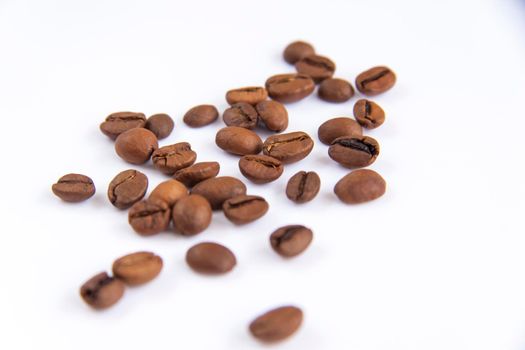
(137, 268)
(197, 172)
(354, 152)
(303, 186)
(277, 324)
(260, 169)
(191, 214)
(102, 291)
(244, 209)
(116, 123)
(240, 114)
(149, 217)
(369, 114)
(290, 147)
(218, 189)
(127, 188)
(200, 116)
(273, 115)
(360, 186)
(337, 127)
(169, 191)
(317, 67)
(169, 159)
(211, 258)
(161, 125)
(136, 145)
(238, 141)
(287, 88)
(335, 90)
(375, 80)
(74, 188)
(251, 95)
(297, 50)
(291, 240)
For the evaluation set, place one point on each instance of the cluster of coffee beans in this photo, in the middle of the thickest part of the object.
(194, 190)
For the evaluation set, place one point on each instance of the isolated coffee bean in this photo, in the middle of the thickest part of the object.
(297, 50)
(218, 189)
(337, 127)
(317, 67)
(369, 114)
(137, 268)
(127, 188)
(290, 147)
(102, 291)
(291, 240)
(240, 141)
(260, 169)
(201, 115)
(74, 188)
(244, 208)
(288, 88)
(354, 152)
(335, 90)
(160, 124)
(240, 114)
(197, 172)
(375, 80)
(169, 191)
(210, 258)
(149, 217)
(116, 123)
(169, 159)
(251, 95)
(303, 186)
(360, 186)
(136, 145)
(191, 215)
(277, 324)
(273, 115)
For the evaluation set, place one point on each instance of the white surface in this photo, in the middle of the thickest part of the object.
(437, 263)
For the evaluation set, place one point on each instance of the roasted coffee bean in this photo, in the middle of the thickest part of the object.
(277, 324)
(169, 159)
(297, 50)
(218, 189)
(127, 188)
(251, 95)
(197, 172)
(317, 67)
(169, 191)
(291, 240)
(375, 80)
(117, 123)
(273, 115)
(335, 90)
(136, 145)
(210, 258)
(290, 147)
(102, 291)
(303, 186)
(240, 114)
(149, 217)
(240, 141)
(260, 169)
(201, 115)
(354, 152)
(191, 214)
(160, 124)
(74, 188)
(369, 114)
(137, 268)
(244, 209)
(337, 127)
(360, 186)
(287, 88)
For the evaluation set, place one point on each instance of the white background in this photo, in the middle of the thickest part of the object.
(437, 263)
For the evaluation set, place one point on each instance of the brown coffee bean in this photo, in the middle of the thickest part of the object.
(240, 114)
(136, 145)
(303, 186)
(191, 214)
(169, 191)
(149, 217)
(137, 268)
(273, 115)
(169, 159)
(317, 67)
(369, 114)
(288, 88)
(354, 152)
(291, 240)
(375, 80)
(244, 209)
(290, 147)
(117, 123)
(360, 186)
(160, 124)
(335, 90)
(337, 127)
(201, 115)
(277, 324)
(102, 291)
(260, 169)
(210, 258)
(297, 50)
(74, 188)
(251, 95)
(197, 172)
(127, 188)
(218, 189)
(240, 141)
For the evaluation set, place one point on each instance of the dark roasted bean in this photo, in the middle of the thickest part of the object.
(74, 188)
(287, 88)
(161, 125)
(277, 324)
(239, 141)
(303, 186)
(291, 240)
(360, 186)
(369, 114)
(210, 258)
(149, 217)
(273, 115)
(197, 172)
(201, 115)
(191, 215)
(260, 169)
(297, 50)
(337, 127)
(375, 80)
(251, 95)
(244, 208)
(218, 189)
(127, 188)
(102, 291)
(354, 152)
(169, 159)
(240, 114)
(290, 147)
(116, 123)
(317, 67)
(335, 90)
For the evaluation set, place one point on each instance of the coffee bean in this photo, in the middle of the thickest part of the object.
(127, 188)
(317, 67)
(273, 115)
(218, 189)
(240, 114)
(149, 217)
(251, 95)
(191, 214)
(210, 258)
(375, 80)
(102, 291)
(297, 50)
(117, 123)
(169, 159)
(290, 147)
(244, 209)
(197, 172)
(287, 88)
(303, 186)
(260, 169)
(335, 90)
(201, 115)
(277, 324)
(337, 127)
(169, 191)
(160, 124)
(354, 152)
(291, 240)
(137, 268)
(74, 188)
(136, 145)
(238, 141)
(369, 114)
(360, 186)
